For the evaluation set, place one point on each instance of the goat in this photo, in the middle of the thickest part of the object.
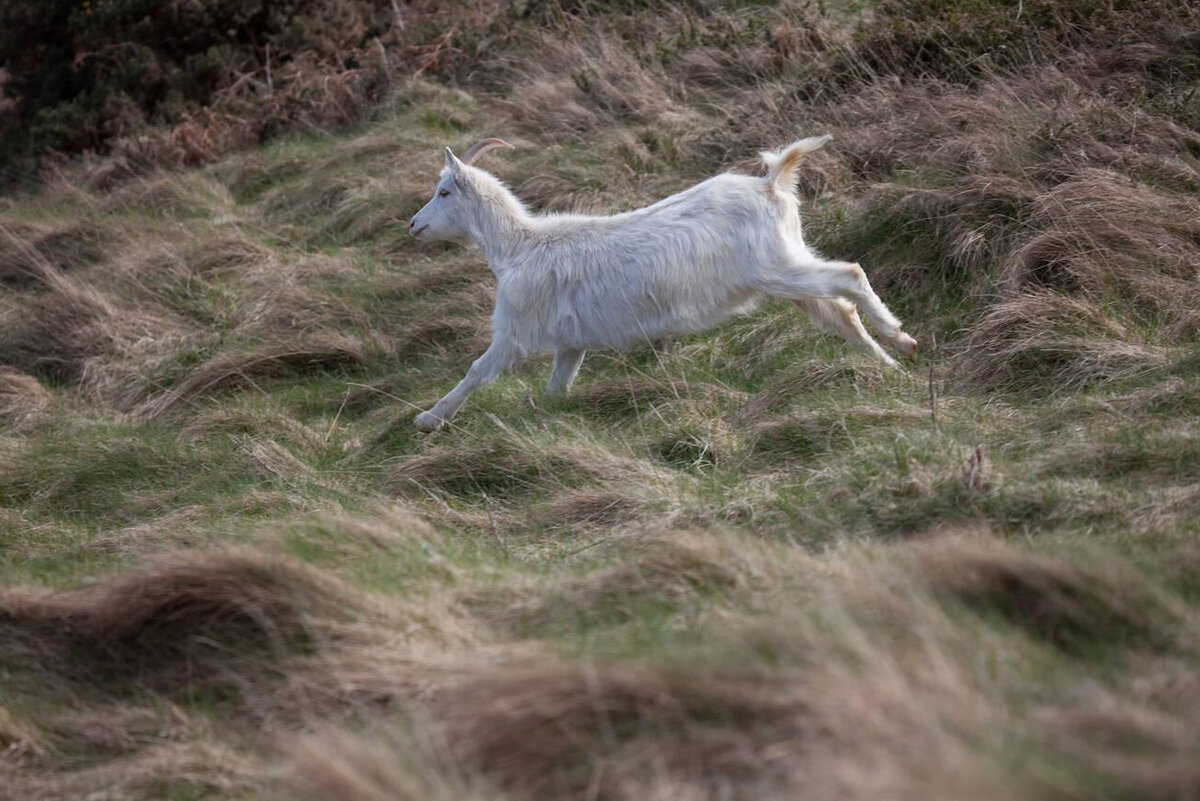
(567, 283)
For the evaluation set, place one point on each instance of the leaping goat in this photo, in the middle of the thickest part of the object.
(567, 283)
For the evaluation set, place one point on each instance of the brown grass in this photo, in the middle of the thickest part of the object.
(511, 466)
(1035, 184)
(339, 766)
(69, 323)
(868, 675)
(205, 767)
(673, 567)
(180, 622)
(170, 195)
(1052, 341)
(540, 731)
(243, 369)
(642, 396)
(646, 589)
(1071, 605)
(811, 376)
(22, 397)
(603, 508)
(68, 247)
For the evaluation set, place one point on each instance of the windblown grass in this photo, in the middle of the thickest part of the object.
(744, 564)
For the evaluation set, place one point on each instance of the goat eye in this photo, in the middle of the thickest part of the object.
(444, 193)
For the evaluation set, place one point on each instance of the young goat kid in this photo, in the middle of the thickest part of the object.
(570, 282)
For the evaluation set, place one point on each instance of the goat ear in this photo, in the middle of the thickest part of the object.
(452, 160)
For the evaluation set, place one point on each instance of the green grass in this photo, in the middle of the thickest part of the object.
(760, 537)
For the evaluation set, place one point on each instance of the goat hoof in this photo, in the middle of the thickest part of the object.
(906, 345)
(428, 422)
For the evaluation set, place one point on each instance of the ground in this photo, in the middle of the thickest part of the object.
(745, 564)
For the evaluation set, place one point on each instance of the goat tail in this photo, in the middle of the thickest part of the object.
(782, 166)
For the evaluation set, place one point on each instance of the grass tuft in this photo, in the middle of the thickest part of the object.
(184, 622)
(748, 563)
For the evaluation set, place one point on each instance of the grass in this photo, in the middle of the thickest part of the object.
(748, 563)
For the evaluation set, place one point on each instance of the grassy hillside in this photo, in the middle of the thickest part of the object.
(745, 564)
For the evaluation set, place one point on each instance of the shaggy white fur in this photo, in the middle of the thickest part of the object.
(567, 283)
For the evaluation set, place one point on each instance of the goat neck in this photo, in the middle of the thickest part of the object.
(500, 224)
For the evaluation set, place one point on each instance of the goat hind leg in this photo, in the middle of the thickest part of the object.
(566, 366)
(840, 316)
(812, 277)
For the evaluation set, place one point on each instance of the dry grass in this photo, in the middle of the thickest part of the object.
(571, 509)
(1072, 606)
(67, 322)
(245, 368)
(78, 243)
(181, 622)
(746, 564)
(865, 674)
(814, 375)
(22, 397)
(672, 568)
(1050, 340)
(342, 767)
(512, 466)
(545, 731)
(638, 396)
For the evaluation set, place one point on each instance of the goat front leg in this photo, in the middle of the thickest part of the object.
(484, 370)
(562, 375)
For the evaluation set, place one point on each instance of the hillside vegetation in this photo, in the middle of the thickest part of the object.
(747, 564)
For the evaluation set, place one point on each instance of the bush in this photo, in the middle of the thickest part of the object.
(84, 73)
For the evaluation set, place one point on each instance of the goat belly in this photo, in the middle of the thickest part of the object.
(626, 320)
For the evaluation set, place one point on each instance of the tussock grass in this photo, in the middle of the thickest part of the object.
(172, 196)
(510, 465)
(68, 247)
(233, 370)
(1076, 607)
(796, 697)
(784, 389)
(1050, 340)
(344, 767)
(22, 397)
(68, 322)
(745, 564)
(178, 623)
(661, 571)
(801, 436)
(189, 768)
(557, 709)
(638, 396)
(599, 507)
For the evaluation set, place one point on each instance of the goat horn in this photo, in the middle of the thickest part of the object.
(479, 148)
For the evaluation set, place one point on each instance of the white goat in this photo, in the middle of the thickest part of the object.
(570, 282)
